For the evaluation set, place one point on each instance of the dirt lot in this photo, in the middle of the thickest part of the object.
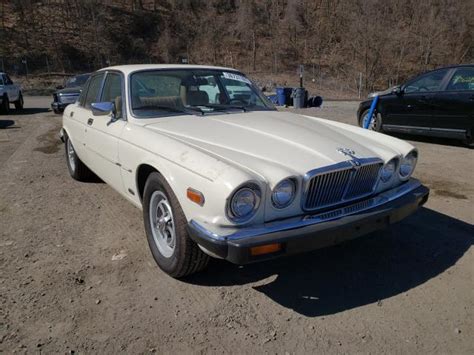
(77, 276)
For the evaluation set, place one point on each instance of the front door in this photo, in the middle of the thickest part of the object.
(412, 109)
(103, 133)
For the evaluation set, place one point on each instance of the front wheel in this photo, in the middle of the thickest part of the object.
(19, 103)
(166, 230)
(469, 141)
(376, 122)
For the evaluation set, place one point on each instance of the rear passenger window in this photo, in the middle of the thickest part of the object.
(113, 92)
(93, 90)
(462, 80)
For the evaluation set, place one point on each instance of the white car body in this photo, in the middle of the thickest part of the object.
(215, 154)
(8, 88)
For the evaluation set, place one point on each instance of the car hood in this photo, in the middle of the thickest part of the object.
(272, 143)
(73, 90)
(381, 93)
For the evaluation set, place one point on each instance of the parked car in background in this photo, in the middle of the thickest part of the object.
(219, 172)
(437, 103)
(68, 93)
(10, 93)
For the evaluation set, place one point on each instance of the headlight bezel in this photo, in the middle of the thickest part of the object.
(413, 153)
(396, 164)
(230, 213)
(294, 184)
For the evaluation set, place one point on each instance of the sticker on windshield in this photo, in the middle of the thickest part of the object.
(237, 77)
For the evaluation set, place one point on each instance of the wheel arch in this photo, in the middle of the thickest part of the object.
(142, 172)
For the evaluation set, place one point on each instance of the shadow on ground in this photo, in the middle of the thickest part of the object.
(360, 272)
(4, 124)
(27, 111)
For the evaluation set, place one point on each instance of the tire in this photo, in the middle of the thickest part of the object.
(5, 108)
(469, 142)
(77, 169)
(376, 123)
(19, 103)
(56, 111)
(168, 238)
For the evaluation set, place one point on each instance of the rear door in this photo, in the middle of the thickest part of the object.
(453, 114)
(413, 108)
(103, 132)
(76, 116)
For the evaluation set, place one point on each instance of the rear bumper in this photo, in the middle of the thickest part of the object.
(312, 232)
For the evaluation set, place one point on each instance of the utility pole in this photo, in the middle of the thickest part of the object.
(301, 73)
(47, 65)
(25, 61)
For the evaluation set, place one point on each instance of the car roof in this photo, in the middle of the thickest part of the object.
(452, 67)
(130, 68)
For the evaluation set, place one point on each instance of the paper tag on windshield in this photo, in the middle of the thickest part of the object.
(237, 77)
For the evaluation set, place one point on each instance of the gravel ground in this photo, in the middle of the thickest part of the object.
(77, 276)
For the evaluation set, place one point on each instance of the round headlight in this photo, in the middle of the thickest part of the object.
(388, 170)
(244, 203)
(408, 163)
(284, 193)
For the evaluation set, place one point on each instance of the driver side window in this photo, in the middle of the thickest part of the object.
(427, 83)
(112, 92)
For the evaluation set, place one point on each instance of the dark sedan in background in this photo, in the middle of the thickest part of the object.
(68, 93)
(438, 103)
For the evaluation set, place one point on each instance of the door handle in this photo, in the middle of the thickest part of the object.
(90, 121)
(471, 98)
(424, 100)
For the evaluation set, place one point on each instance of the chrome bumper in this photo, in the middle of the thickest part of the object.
(313, 231)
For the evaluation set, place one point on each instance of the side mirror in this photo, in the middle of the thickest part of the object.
(397, 90)
(59, 87)
(103, 108)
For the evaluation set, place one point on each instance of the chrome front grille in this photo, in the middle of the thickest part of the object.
(363, 181)
(340, 183)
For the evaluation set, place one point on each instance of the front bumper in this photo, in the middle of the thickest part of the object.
(58, 106)
(310, 232)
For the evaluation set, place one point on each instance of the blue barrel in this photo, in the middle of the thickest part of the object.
(284, 95)
(281, 96)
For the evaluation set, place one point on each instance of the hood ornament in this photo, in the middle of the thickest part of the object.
(350, 153)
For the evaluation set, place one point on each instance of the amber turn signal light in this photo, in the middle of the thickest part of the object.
(265, 249)
(195, 196)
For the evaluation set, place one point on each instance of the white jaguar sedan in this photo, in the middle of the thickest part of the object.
(219, 172)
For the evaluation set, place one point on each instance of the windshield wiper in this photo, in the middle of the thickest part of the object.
(219, 107)
(190, 110)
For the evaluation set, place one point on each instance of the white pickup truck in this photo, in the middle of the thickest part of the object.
(9, 93)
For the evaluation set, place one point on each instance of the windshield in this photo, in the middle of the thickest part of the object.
(193, 91)
(76, 81)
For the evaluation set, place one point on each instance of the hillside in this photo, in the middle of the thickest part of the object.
(338, 41)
